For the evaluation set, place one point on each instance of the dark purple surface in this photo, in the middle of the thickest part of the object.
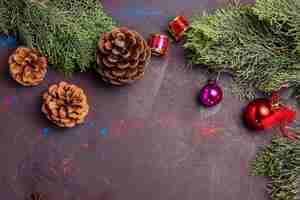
(146, 141)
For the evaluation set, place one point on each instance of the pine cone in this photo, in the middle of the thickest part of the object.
(36, 196)
(122, 56)
(27, 66)
(65, 105)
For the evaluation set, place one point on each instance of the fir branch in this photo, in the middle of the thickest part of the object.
(256, 52)
(66, 31)
(281, 162)
(283, 14)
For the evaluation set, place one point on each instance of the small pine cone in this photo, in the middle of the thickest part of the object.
(27, 66)
(65, 105)
(36, 196)
(122, 56)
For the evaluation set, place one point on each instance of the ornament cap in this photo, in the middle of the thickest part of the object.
(212, 81)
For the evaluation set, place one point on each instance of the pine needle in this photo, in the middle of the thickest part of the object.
(256, 52)
(281, 162)
(65, 31)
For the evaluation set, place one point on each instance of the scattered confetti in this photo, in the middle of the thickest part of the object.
(104, 132)
(208, 131)
(14, 99)
(7, 100)
(2, 108)
(45, 131)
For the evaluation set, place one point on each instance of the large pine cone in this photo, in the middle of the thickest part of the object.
(65, 105)
(122, 56)
(27, 66)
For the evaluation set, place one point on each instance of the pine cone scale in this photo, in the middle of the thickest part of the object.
(125, 65)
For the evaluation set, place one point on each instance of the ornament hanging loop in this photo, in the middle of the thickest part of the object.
(213, 80)
(276, 97)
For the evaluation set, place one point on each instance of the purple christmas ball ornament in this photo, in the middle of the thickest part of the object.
(211, 94)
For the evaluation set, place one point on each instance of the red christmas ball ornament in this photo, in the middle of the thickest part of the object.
(262, 114)
(256, 111)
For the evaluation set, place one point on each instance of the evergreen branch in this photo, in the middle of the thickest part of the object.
(281, 162)
(67, 32)
(256, 52)
(283, 14)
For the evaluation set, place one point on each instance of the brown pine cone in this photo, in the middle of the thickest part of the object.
(122, 56)
(27, 66)
(36, 196)
(65, 105)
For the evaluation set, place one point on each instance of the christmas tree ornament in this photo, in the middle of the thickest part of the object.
(159, 44)
(264, 113)
(27, 66)
(178, 26)
(65, 105)
(122, 56)
(211, 94)
(36, 196)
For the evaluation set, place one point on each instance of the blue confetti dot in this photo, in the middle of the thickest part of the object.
(8, 41)
(90, 124)
(45, 131)
(104, 132)
(14, 99)
(7, 100)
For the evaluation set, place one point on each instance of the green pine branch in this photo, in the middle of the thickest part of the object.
(65, 31)
(284, 15)
(281, 162)
(256, 51)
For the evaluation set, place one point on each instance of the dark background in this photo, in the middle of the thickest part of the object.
(147, 141)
